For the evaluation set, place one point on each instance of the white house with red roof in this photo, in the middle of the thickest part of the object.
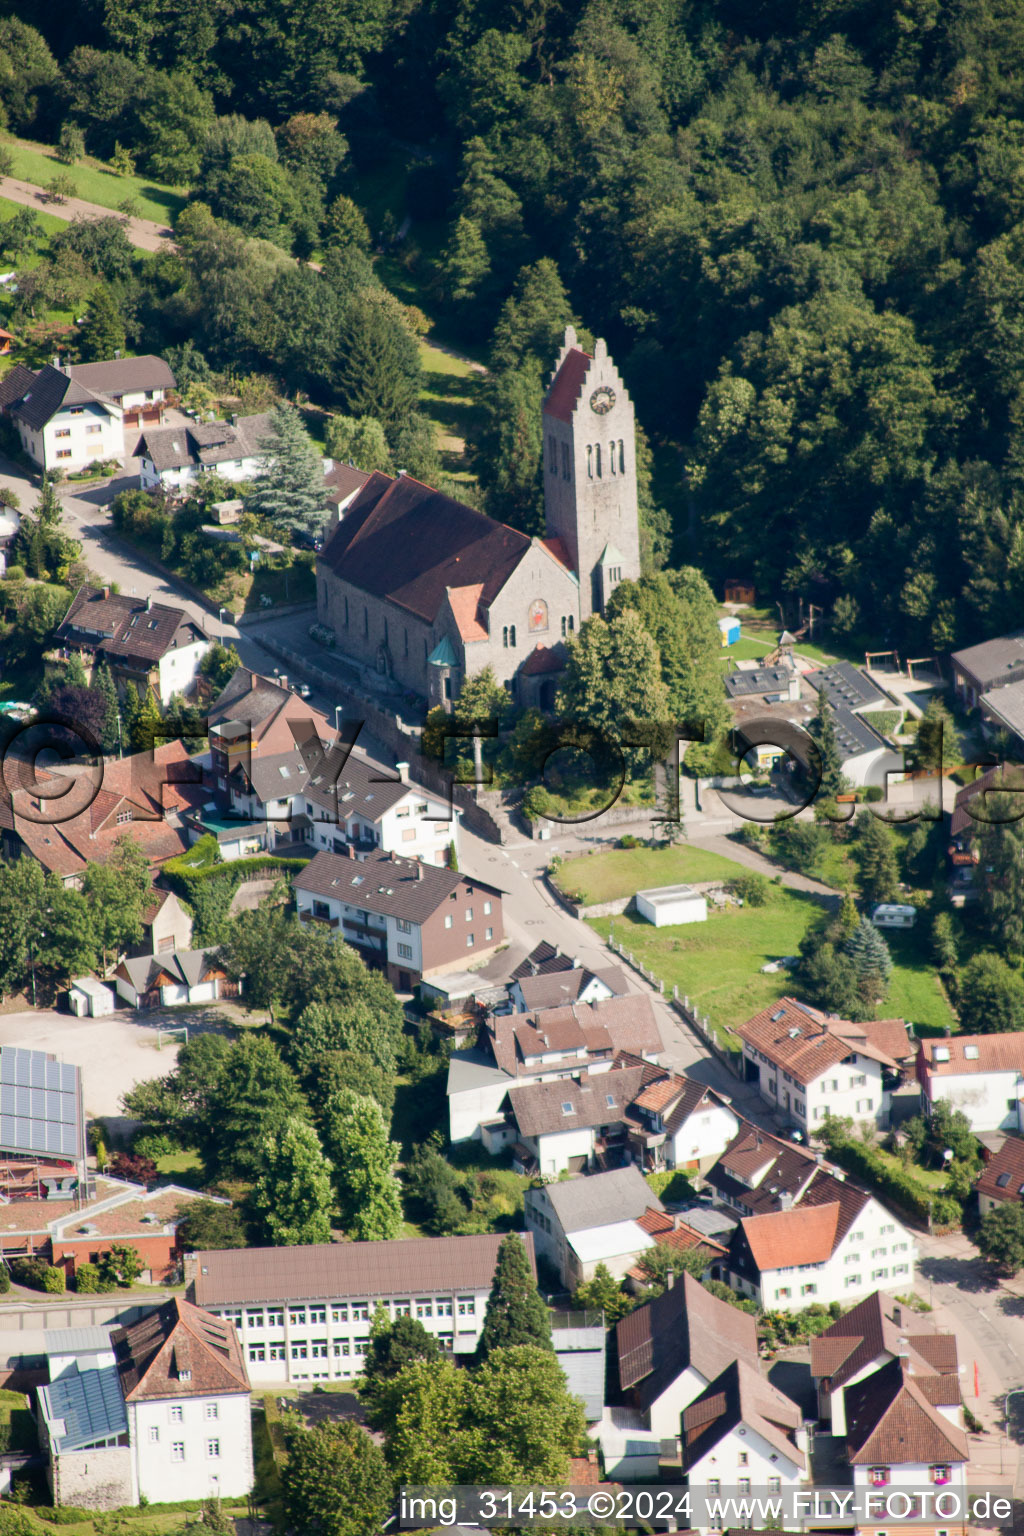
(982, 1075)
(809, 1064)
(422, 588)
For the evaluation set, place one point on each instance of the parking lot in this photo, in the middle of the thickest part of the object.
(114, 1053)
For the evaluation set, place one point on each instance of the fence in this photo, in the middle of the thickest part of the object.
(704, 1029)
(637, 965)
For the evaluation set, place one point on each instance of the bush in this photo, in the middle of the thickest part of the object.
(629, 841)
(5, 1280)
(894, 1184)
(751, 888)
(88, 1282)
(154, 1145)
(873, 793)
(38, 1274)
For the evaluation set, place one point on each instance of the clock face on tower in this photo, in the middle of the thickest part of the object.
(602, 400)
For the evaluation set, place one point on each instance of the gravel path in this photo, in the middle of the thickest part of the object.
(143, 233)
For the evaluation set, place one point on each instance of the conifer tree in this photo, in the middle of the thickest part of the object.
(823, 732)
(516, 1313)
(289, 488)
(102, 335)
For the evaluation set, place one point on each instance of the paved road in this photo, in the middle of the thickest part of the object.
(987, 1315)
(143, 233)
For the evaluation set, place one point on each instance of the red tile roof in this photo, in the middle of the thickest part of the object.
(567, 384)
(683, 1326)
(880, 1325)
(465, 606)
(179, 1351)
(806, 1042)
(891, 1422)
(1002, 1177)
(781, 1239)
(959, 1054)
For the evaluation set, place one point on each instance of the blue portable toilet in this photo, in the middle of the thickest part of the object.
(729, 629)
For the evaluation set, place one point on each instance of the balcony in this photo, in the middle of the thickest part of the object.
(315, 917)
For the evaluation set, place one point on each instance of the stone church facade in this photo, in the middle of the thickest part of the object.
(430, 591)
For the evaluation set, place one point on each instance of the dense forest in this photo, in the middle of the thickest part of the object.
(801, 229)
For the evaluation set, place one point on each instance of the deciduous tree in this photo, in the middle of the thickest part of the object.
(292, 1196)
(335, 1481)
(356, 1137)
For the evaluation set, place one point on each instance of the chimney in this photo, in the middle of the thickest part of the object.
(670, 1280)
(189, 1268)
(947, 1030)
(106, 593)
(819, 1158)
(419, 870)
(282, 681)
(403, 772)
(785, 1201)
(56, 359)
(149, 602)
(252, 682)
(903, 1348)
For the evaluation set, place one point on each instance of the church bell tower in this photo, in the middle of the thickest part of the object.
(590, 471)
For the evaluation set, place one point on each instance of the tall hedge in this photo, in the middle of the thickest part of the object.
(208, 889)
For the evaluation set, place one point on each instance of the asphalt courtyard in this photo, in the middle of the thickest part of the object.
(114, 1053)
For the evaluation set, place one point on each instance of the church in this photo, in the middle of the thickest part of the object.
(430, 591)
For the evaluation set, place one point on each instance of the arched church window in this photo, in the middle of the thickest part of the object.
(611, 456)
(597, 459)
(537, 617)
(622, 456)
(512, 637)
(590, 462)
(504, 637)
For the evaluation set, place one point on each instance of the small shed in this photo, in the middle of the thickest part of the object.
(89, 998)
(729, 630)
(894, 914)
(666, 905)
(739, 590)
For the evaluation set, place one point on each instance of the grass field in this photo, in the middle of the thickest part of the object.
(717, 963)
(451, 397)
(621, 871)
(96, 182)
(46, 223)
(914, 992)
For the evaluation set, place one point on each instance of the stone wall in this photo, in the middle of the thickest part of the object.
(98, 1479)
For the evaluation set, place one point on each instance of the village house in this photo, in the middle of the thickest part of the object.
(810, 1064)
(70, 417)
(406, 918)
(982, 1075)
(174, 459)
(664, 1353)
(153, 645)
(835, 1244)
(138, 386)
(265, 715)
(1001, 1180)
(574, 983)
(904, 1430)
(553, 1044)
(158, 1412)
(61, 424)
(873, 1334)
(741, 1433)
(429, 591)
(143, 796)
(572, 1124)
(680, 1124)
(304, 1314)
(581, 1223)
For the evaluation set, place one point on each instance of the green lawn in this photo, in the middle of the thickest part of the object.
(96, 182)
(914, 991)
(451, 397)
(184, 1166)
(717, 963)
(15, 1412)
(931, 1179)
(621, 871)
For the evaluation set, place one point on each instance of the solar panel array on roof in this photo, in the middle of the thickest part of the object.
(40, 1104)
